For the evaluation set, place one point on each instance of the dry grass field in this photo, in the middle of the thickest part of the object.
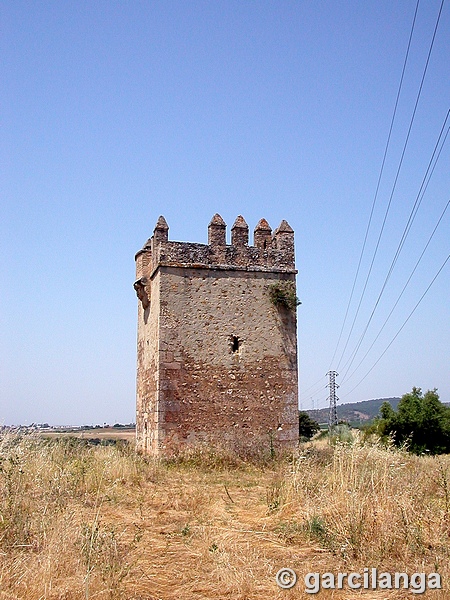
(99, 522)
(103, 433)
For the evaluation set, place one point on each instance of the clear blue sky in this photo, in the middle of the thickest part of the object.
(116, 112)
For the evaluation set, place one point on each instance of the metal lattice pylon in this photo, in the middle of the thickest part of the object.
(332, 419)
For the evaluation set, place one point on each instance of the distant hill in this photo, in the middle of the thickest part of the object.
(356, 412)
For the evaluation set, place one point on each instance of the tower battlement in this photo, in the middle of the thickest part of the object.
(271, 252)
(217, 359)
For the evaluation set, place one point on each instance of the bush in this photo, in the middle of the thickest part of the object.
(307, 427)
(282, 294)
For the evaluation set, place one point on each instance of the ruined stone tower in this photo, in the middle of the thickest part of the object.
(217, 340)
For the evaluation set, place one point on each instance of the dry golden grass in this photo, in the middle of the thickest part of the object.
(102, 433)
(85, 522)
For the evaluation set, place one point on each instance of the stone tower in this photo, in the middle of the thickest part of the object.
(217, 339)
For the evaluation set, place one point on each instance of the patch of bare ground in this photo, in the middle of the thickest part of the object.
(101, 522)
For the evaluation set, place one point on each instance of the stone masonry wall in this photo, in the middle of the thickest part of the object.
(217, 360)
(148, 365)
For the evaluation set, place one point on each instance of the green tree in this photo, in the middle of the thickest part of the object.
(307, 426)
(421, 422)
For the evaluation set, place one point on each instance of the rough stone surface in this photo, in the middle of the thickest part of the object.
(217, 361)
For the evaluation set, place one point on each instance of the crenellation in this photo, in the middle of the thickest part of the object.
(283, 240)
(239, 233)
(143, 261)
(268, 253)
(161, 231)
(217, 230)
(262, 235)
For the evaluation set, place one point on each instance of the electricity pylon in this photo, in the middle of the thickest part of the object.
(332, 419)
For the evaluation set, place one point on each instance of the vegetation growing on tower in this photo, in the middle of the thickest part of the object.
(283, 294)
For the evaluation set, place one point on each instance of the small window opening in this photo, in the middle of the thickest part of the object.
(265, 244)
(235, 343)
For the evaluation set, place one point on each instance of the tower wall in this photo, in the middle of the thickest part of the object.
(217, 360)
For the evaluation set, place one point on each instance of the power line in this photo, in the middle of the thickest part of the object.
(423, 187)
(378, 183)
(316, 396)
(401, 293)
(313, 385)
(401, 328)
(323, 405)
(420, 195)
(395, 180)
